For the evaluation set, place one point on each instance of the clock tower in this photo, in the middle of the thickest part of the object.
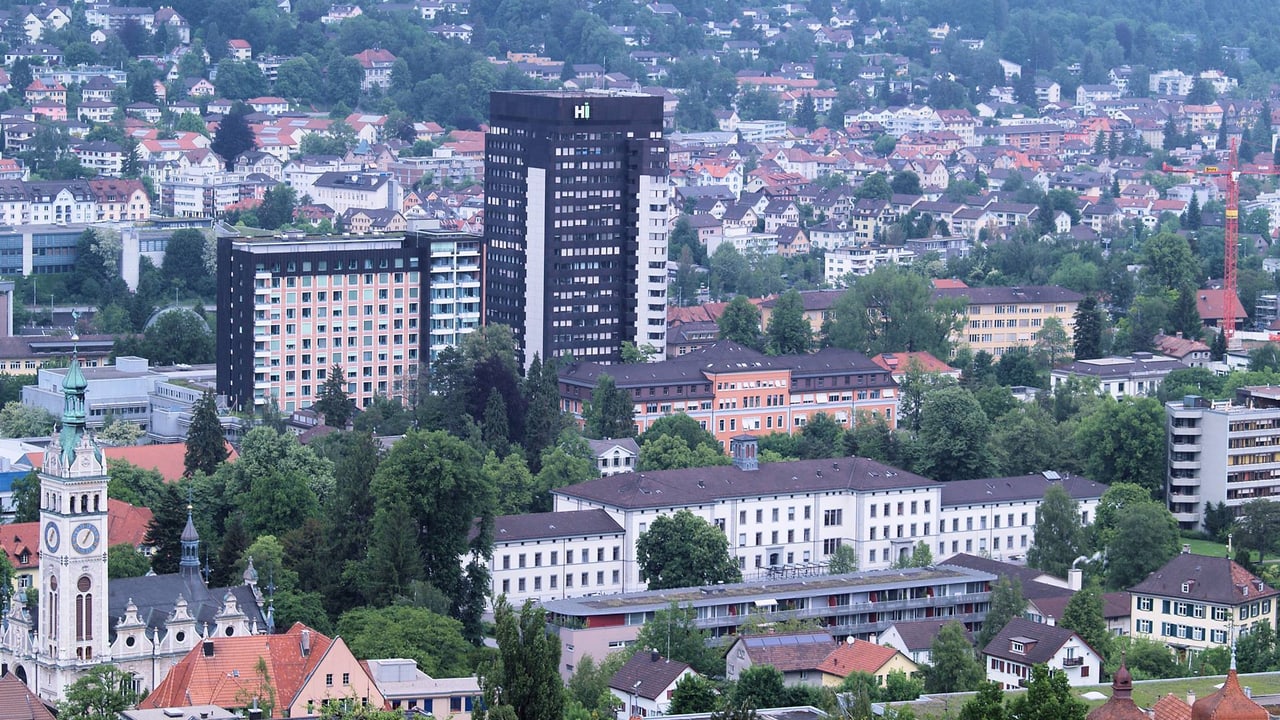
(74, 633)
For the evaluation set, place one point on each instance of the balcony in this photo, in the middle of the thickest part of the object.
(1184, 464)
(1072, 662)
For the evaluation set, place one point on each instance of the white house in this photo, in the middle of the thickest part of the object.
(546, 556)
(1023, 643)
(646, 683)
(614, 456)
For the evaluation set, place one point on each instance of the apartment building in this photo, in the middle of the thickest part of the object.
(858, 605)
(789, 517)
(291, 307)
(577, 195)
(999, 318)
(730, 389)
(1196, 602)
(545, 556)
(1222, 452)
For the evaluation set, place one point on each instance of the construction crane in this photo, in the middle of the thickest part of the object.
(1232, 173)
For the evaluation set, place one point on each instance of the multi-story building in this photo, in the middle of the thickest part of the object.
(789, 517)
(544, 556)
(858, 605)
(1196, 602)
(292, 307)
(576, 205)
(1138, 375)
(1222, 452)
(999, 318)
(730, 389)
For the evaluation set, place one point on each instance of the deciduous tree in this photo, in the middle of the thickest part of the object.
(674, 632)
(788, 333)
(694, 694)
(1083, 616)
(1126, 441)
(954, 436)
(610, 412)
(101, 693)
(234, 138)
(740, 322)
(683, 550)
(1048, 697)
(524, 678)
(124, 561)
(1007, 603)
(402, 631)
(893, 310)
(954, 667)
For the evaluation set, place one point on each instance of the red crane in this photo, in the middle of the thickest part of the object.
(1232, 173)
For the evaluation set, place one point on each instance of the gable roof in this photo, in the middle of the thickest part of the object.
(1171, 707)
(919, 634)
(231, 674)
(1211, 303)
(568, 523)
(1040, 642)
(19, 703)
(648, 675)
(168, 459)
(788, 652)
(127, 523)
(857, 656)
(1022, 487)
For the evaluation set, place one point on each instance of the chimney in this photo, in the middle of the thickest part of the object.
(653, 655)
(208, 648)
(306, 643)
(1191, 697)
(1075, 578)
(255, 713)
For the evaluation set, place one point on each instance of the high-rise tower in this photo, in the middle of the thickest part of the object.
(576, 199)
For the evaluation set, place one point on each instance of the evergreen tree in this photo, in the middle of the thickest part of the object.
(165, 531)
(1088, 332)
(1219, 348)
(1172, 138)
(1058, 535)
(1191, 218)
(495, 431)
(524, 678)
(1185, 316)
(789, 333)
(544, 421)
(1007, 603)
(1083, 616)
(235, 541)
(332, 401)
(806, 115)
(206, 443)
(610, 412)
(234, 138)
(954, 667)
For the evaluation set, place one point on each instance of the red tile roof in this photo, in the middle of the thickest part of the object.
(789, 652)
(127, 523)
(1210, 303)
(19, 703)
(945, 283)
(898, 362)
(167, 459)
(231, 674)
(1171, 707)
(858, 656)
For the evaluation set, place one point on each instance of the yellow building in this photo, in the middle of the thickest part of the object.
(864, 657)
(1196, 602)
(1000, 318)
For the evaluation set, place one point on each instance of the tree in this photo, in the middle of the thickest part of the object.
(670, 452)
(101, 693)
(495, 426)
(684, 427)
(433, 641)
(954, 667)
(184, 263)
(23, 421)
(843, 560)
(383, 416)
(1147, 659)
(1058, 538)
(511, 481)
(234, 138)
(277, 207)
(1007, 603)
(693, 694)
(119, 433)
(1088, 330)
(954, 436)
(740, 322)
(988, 704)
(1184, 316)
(1052, 342)
(759, 686)
(893, 310)
(124, 561)
(1258, 527)
(788, 333)
(806, 115)
(1017, 367)
(610, 412)
(1048, 697)
(1126, 439)
(588, 687)
(674, 632)
(920, 556)
(206, 442)
(1149, 526)
(1083, 616)
(905, 182)
(526, 667)
(176, 336)
(1114, 502)
(1168, 262)
(332, 401)
(683, 550)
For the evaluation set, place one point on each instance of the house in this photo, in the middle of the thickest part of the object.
(406, 688)
(240, 50)
(1212, 305)
(899, 364)
(999, 318)
(797, 655)
(1196, 602)
(1138, 375)
(361, 221)
(1188, 351)
(302, 670)
(614, 456)
(914, 639)
(646, 683)
(861, 656)
(1023, 643)
(376, 64)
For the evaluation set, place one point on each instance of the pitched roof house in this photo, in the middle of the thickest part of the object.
(796, 655)
(860, 656)
(646, 682)
(1023, 643)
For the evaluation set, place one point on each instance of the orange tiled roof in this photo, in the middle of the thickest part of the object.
(232, 672)
(858, 656)
(898, 362)
(1170, 707)
(127, 523)
(1212, 302)
(946, 283)
(168, 459)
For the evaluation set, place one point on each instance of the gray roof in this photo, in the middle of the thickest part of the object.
(1109, 367)
(700, 486)
(1032, 587)
(1024, 294)
(156, 595)
(539, 526)
(1021, 487)
(1208, 579)
(646, 676)
(599, 447)
(919, 634)
(1041, 642)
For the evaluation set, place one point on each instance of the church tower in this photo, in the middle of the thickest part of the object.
(73, 624)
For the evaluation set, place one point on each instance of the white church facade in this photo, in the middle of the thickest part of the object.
(80, 618)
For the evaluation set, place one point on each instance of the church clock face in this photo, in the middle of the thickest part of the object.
(52, 538)
(84, 538)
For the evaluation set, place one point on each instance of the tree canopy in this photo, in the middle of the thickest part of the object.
(683, 550)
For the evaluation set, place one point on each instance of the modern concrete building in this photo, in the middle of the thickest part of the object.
(576, 204)
(1222, 451)
(293, 307)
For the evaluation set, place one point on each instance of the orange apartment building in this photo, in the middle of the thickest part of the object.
(730, 389)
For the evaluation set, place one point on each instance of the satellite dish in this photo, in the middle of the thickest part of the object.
(849, 640)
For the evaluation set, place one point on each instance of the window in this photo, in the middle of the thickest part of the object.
(832, 517)
(1145, 603)
(346, 678)
(1144, 626)
(328, 679)
(873, 556)
(775, 515)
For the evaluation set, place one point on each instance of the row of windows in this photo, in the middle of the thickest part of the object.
(554, 580)
(554, 557)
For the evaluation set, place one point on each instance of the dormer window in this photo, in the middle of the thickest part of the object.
(1186, 587)
(1017, 647)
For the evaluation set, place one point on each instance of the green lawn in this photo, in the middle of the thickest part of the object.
(1206, 547)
